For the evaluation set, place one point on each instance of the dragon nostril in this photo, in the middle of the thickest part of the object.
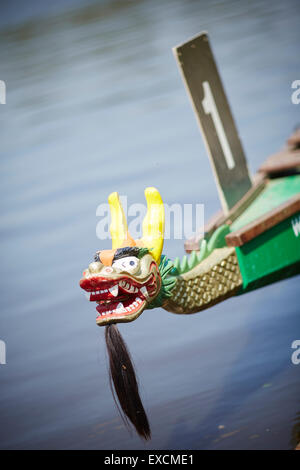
(95, 267)
(108, 270)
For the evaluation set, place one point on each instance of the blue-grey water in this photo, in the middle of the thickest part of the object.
(95, 103)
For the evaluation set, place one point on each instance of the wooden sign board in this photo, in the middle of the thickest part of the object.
(222, 141)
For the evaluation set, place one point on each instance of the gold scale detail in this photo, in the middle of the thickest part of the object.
(213, 280)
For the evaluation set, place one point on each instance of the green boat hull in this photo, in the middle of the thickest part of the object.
(274, 254)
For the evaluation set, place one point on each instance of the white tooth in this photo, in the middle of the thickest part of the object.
(136, 289)
(127, 286)
(135, 304)
(138, 300)
(131, 288)
(128, 309)
(144, 291)
(114, 290)
(120, 308)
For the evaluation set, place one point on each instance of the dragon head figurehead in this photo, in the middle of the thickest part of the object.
(133, 275)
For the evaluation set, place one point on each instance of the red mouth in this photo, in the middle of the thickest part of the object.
(121, 299)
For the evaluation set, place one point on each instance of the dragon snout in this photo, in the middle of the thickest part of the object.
(95, 267)
(119, 297)
(123, 289)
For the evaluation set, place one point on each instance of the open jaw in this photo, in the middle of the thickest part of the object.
(121, 299)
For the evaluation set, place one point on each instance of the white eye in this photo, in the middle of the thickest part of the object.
(130, 263)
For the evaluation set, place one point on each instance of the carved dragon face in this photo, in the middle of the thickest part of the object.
(125, 280)
(122, 290)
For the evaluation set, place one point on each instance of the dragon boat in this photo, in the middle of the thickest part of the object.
(259, 246)
(254, 241)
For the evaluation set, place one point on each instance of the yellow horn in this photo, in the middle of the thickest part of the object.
(118, 226)
(154, 223)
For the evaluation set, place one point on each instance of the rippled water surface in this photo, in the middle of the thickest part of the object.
(95, 103)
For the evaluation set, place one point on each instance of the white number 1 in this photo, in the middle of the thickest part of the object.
(210, 107)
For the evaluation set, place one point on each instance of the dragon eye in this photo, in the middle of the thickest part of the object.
(130, 263)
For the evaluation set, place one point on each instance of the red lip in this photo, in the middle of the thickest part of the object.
(95, 283)
(102, 288)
